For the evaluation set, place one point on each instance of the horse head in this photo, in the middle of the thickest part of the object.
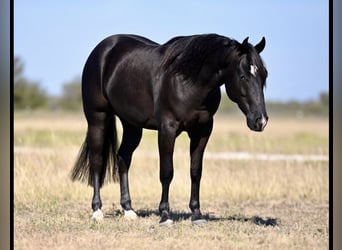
(246, 81)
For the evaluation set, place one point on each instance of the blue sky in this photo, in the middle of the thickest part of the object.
(54, 38)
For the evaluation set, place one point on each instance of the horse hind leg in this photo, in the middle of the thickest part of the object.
(101, 142)
(130, 140)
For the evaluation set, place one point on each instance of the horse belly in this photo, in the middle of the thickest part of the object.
(132, 102)
(137, 116)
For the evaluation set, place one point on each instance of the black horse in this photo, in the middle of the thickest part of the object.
(171, 88)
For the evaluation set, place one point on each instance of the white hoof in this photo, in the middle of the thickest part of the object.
(168, 222)
(199, 222)
(97, 215)
(130, 215)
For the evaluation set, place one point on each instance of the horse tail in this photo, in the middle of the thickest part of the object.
(112, 147)
(82, 170)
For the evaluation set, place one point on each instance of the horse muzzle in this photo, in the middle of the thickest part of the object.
(257, 124)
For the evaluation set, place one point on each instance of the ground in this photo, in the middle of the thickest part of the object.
(250, 203)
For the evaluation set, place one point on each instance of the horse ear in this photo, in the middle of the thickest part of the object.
(244, 45)
(261, 45)
(245, 42)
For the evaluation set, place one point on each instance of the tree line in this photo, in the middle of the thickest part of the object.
(29, 95)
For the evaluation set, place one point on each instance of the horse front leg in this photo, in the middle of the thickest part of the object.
(166, 141)
(198, 140)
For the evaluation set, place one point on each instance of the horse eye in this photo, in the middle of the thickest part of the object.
(242, 77)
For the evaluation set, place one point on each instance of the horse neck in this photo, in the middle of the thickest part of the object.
(218, 68)
(231, 59)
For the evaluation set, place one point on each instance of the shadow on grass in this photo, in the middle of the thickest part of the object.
(255, 219)
(179, 216)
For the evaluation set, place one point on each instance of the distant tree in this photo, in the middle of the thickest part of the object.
(324, 98)
(71, 98)
(27, 94)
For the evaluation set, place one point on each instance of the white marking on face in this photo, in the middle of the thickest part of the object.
(253, 69)
(263, 123)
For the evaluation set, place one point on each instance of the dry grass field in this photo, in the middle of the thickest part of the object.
(250, 203)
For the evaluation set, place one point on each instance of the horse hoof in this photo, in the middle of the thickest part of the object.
(167, 222)
(97, 215)
(199, 222)
(130, 215)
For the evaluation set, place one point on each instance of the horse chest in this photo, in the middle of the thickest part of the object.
(195, 118)
(192, 111)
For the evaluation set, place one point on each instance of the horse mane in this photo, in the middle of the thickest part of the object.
(186, 54)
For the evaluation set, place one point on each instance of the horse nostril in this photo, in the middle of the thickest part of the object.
(261, 122)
